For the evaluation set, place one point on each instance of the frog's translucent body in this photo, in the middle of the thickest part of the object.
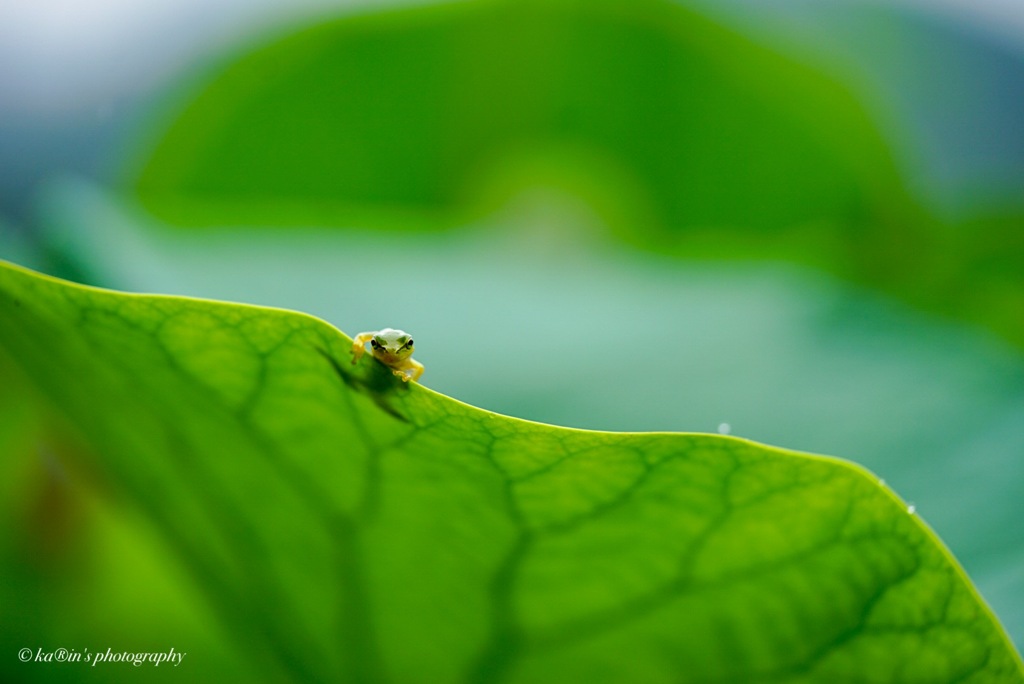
(391, 347)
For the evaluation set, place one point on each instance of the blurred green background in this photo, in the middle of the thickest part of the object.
(802, 224)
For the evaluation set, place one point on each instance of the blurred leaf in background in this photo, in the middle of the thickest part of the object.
(686, 137)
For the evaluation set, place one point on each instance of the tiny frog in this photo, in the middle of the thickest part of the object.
(391, 347)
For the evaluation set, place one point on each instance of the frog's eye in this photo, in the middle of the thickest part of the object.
(409, 343)
(375, 344)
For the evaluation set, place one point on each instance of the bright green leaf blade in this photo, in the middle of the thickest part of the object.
(356, 529)
(661, 117)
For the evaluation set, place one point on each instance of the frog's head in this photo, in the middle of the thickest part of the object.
(391, 345)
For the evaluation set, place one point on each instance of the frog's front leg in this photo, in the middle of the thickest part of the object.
(412, 370)
(359, 345)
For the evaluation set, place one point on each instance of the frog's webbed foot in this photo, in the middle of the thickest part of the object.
(414, 371)
(411, 371)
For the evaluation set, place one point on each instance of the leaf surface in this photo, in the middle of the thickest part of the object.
(364, 530)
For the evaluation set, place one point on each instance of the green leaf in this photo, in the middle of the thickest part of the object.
(351, 528)
(421, 111)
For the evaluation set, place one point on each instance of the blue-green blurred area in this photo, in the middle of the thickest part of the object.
(943, 80)
(799, 224)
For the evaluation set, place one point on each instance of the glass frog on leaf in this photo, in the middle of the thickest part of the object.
(391, 347)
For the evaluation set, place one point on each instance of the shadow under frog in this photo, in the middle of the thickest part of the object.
(374, 380)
